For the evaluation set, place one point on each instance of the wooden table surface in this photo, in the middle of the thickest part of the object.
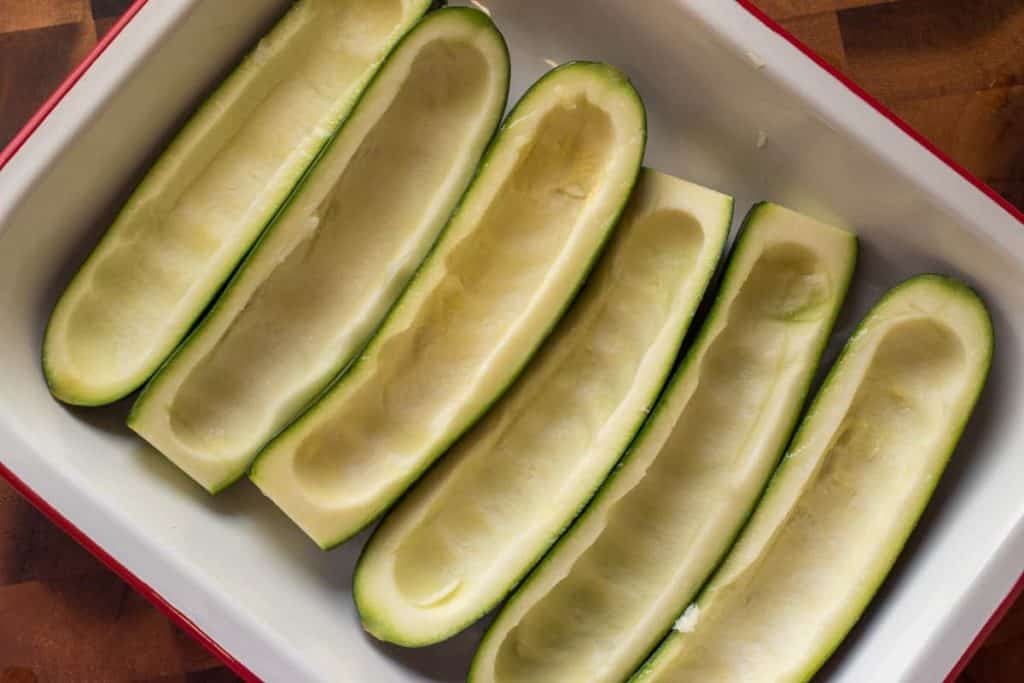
(953, 68)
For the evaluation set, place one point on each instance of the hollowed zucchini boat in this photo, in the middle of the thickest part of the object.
(840, 508)
(611, 587)
(522, 241)
(338, 255)
(210, 194)
(468, 531)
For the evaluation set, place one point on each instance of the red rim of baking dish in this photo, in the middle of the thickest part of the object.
(187, 624)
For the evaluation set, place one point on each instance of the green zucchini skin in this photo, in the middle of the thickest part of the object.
(478, 674)
(802, 455)
(613, 79)
(656, 195)
(152, 398)
(69, 383)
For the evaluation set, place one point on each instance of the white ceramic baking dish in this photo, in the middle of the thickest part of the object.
(733, 104)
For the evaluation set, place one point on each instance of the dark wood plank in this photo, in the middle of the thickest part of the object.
(108, 9)
(87, 628)
(33, 63)
(18, 524)
(982, 129)
(927, 48)
(24, 15)
(821, 33)
(781, 10)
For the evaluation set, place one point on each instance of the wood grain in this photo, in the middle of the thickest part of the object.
(954, 69)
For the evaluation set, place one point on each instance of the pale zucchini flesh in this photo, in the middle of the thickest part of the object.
(211, 193)
(613, 585)
(337, 256)
(838, 511)
(523, 239)
(465, 534)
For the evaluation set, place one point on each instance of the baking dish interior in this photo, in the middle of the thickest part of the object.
(727, 109)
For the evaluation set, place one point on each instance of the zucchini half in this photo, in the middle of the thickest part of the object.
(211, 193)
(841, 506)
(337, 256)
(523, 239)
(468, 532)
(612, 586)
